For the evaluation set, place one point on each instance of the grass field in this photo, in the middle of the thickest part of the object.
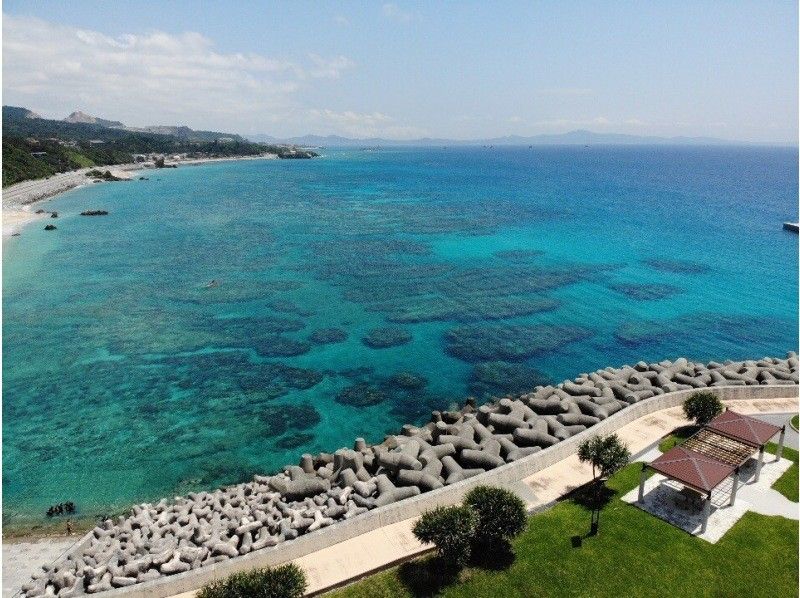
(634, 554)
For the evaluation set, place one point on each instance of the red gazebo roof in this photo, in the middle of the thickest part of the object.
(743, 428)
(692, 468)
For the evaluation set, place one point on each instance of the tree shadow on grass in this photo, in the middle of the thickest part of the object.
(494, 557)
(592, 496)
(427, 577)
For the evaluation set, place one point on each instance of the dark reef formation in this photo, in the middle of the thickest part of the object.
(204, 528)
(383, 338)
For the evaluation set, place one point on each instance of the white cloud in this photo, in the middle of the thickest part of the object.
(355, 124)
(394, 12)
(330, 68)
(152, 77)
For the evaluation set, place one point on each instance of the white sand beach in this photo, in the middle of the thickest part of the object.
(19, 199)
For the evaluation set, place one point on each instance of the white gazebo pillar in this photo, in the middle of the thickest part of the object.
(735, 486)
(759, 464)
(642, 480)
(781, 439)
(706, 513)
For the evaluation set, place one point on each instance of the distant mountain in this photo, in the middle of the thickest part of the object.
(183, 132)
(579, 137)
(82, 117)
(15, 112)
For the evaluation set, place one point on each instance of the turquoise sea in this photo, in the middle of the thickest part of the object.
(356, 292)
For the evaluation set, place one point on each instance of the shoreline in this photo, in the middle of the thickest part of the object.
(606, 398)
(21, 200)
(559, 478)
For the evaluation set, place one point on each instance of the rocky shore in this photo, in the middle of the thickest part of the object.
(207, 527)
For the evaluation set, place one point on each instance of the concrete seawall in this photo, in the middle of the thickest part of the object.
(412, 507)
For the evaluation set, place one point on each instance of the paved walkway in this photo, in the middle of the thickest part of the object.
(360, 556)
(22, 558)
(357, 557)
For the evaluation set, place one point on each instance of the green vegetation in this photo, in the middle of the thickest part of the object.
(36, 148)
(796, 422)
(607, 454)
(451, 530)
(501, 515)
(286, 581)
(678, 435)
(702, 407)
(787, 484)
(637, 555)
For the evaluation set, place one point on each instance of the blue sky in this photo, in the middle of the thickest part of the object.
(446, 69)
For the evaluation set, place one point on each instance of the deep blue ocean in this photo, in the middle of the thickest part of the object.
(356, 292)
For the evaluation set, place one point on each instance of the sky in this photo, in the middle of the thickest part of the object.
(404, 70)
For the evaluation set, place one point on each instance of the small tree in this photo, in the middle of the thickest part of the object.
(451, 530)
(501, 514)
(607, 454)
(702, 407)
(286, 581)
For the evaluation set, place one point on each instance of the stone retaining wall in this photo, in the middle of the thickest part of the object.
(414, 506)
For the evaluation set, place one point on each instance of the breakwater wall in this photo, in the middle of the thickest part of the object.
(167, 548)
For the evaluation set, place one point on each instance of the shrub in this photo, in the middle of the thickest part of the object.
(451, 530)
(702, 407)
(501, 514)
(286, 581)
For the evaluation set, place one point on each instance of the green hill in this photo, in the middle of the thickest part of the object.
(36, 147)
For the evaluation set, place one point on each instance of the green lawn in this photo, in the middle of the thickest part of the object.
(796, 422)
(635, 554)
(787, 484)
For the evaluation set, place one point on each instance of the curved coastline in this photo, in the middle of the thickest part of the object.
(19, 198)
(394, 479)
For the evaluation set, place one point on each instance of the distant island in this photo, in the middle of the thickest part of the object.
(36, 147)
(579, 137)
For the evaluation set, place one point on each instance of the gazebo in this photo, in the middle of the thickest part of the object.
(750, 431)
(703, 461)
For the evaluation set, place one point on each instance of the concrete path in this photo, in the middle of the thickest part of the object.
(21, 559)
(780, 419)
(355, 558)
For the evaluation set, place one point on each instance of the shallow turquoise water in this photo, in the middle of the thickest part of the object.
(126, 379)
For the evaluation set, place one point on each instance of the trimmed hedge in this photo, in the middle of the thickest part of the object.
(286, 581)
(501, 514)
(451, 530)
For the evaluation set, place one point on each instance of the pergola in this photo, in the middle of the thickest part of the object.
(750, 431)
(703, 461)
